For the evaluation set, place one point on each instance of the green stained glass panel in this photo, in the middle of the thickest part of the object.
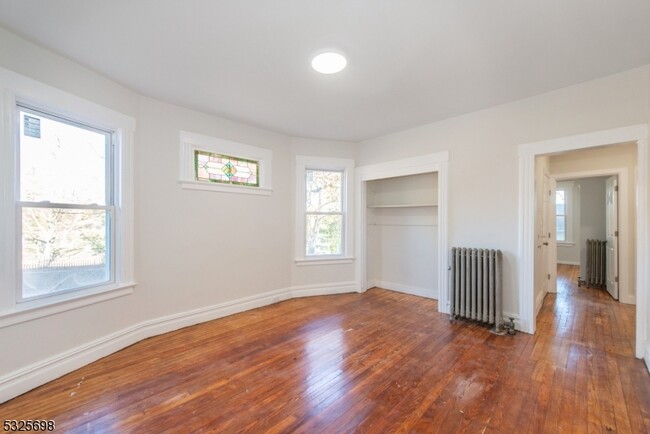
(226, 169)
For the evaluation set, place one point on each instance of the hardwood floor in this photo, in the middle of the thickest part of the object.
(375, 362)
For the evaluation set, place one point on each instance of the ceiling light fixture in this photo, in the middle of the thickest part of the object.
(329, 63)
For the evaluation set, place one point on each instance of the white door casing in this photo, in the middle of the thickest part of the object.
(552, 237)
(527, 231)
(611, 224)
(543, 238)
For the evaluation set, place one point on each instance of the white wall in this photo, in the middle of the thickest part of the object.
(606, 158)
(199, 248)
(483, 159)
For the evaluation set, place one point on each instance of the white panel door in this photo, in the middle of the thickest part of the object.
(551, 227)
(543, 234)
(611, 222)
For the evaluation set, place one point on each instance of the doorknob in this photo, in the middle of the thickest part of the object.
(546, 244)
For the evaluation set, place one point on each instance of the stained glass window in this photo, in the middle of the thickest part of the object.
(226, 169)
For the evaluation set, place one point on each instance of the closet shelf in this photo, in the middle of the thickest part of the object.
(410, 205)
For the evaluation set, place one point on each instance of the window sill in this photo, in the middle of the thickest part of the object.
(323, 261)
(225, 188)
(565, 244)
(40, 308)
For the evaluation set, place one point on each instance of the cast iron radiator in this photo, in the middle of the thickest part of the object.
(476, 286)
(596, 263)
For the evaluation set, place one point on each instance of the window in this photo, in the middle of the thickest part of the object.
(560, 214)
(324, 212)
(66, 201)
(213, 164)
(214, 167)
(66, 204)
(323, 221)
(563, 215)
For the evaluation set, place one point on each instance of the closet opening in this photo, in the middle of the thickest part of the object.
(401, 226)
(402, 234)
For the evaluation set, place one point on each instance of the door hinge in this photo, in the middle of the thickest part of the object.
(616, 233)
(548, 276)
(549, 235)
(616, 188)
(616, 279)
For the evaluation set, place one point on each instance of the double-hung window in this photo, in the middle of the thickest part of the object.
(66, 204)
(564, 212)
(66, 201)
(561, 223)
(323, 217)
(324, 226)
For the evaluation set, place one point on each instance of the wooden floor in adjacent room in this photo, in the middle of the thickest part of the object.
(379, 362)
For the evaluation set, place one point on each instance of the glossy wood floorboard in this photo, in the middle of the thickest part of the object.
(379, 362)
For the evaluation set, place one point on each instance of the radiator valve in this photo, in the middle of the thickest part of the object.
(510, 327)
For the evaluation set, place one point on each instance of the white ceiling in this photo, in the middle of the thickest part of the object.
(410, 62)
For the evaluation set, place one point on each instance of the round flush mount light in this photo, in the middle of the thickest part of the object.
(329, 63)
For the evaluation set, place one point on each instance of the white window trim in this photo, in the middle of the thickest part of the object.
(304, 163)
(14, 88)
(191, 142)
(567, 187)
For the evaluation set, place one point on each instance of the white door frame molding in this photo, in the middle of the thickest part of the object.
(526, 276)
(437, 162)
(624, 238)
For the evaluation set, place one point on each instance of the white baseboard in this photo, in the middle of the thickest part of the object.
(568, 262)
(29, 377)
(407, 289)
(627, 299)
(324, 289)
(646, 357)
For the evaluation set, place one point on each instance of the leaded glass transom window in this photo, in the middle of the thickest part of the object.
(226, 169)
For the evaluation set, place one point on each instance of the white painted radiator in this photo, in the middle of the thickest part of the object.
(476, 285)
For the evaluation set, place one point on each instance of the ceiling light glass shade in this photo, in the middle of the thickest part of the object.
(329, 63)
